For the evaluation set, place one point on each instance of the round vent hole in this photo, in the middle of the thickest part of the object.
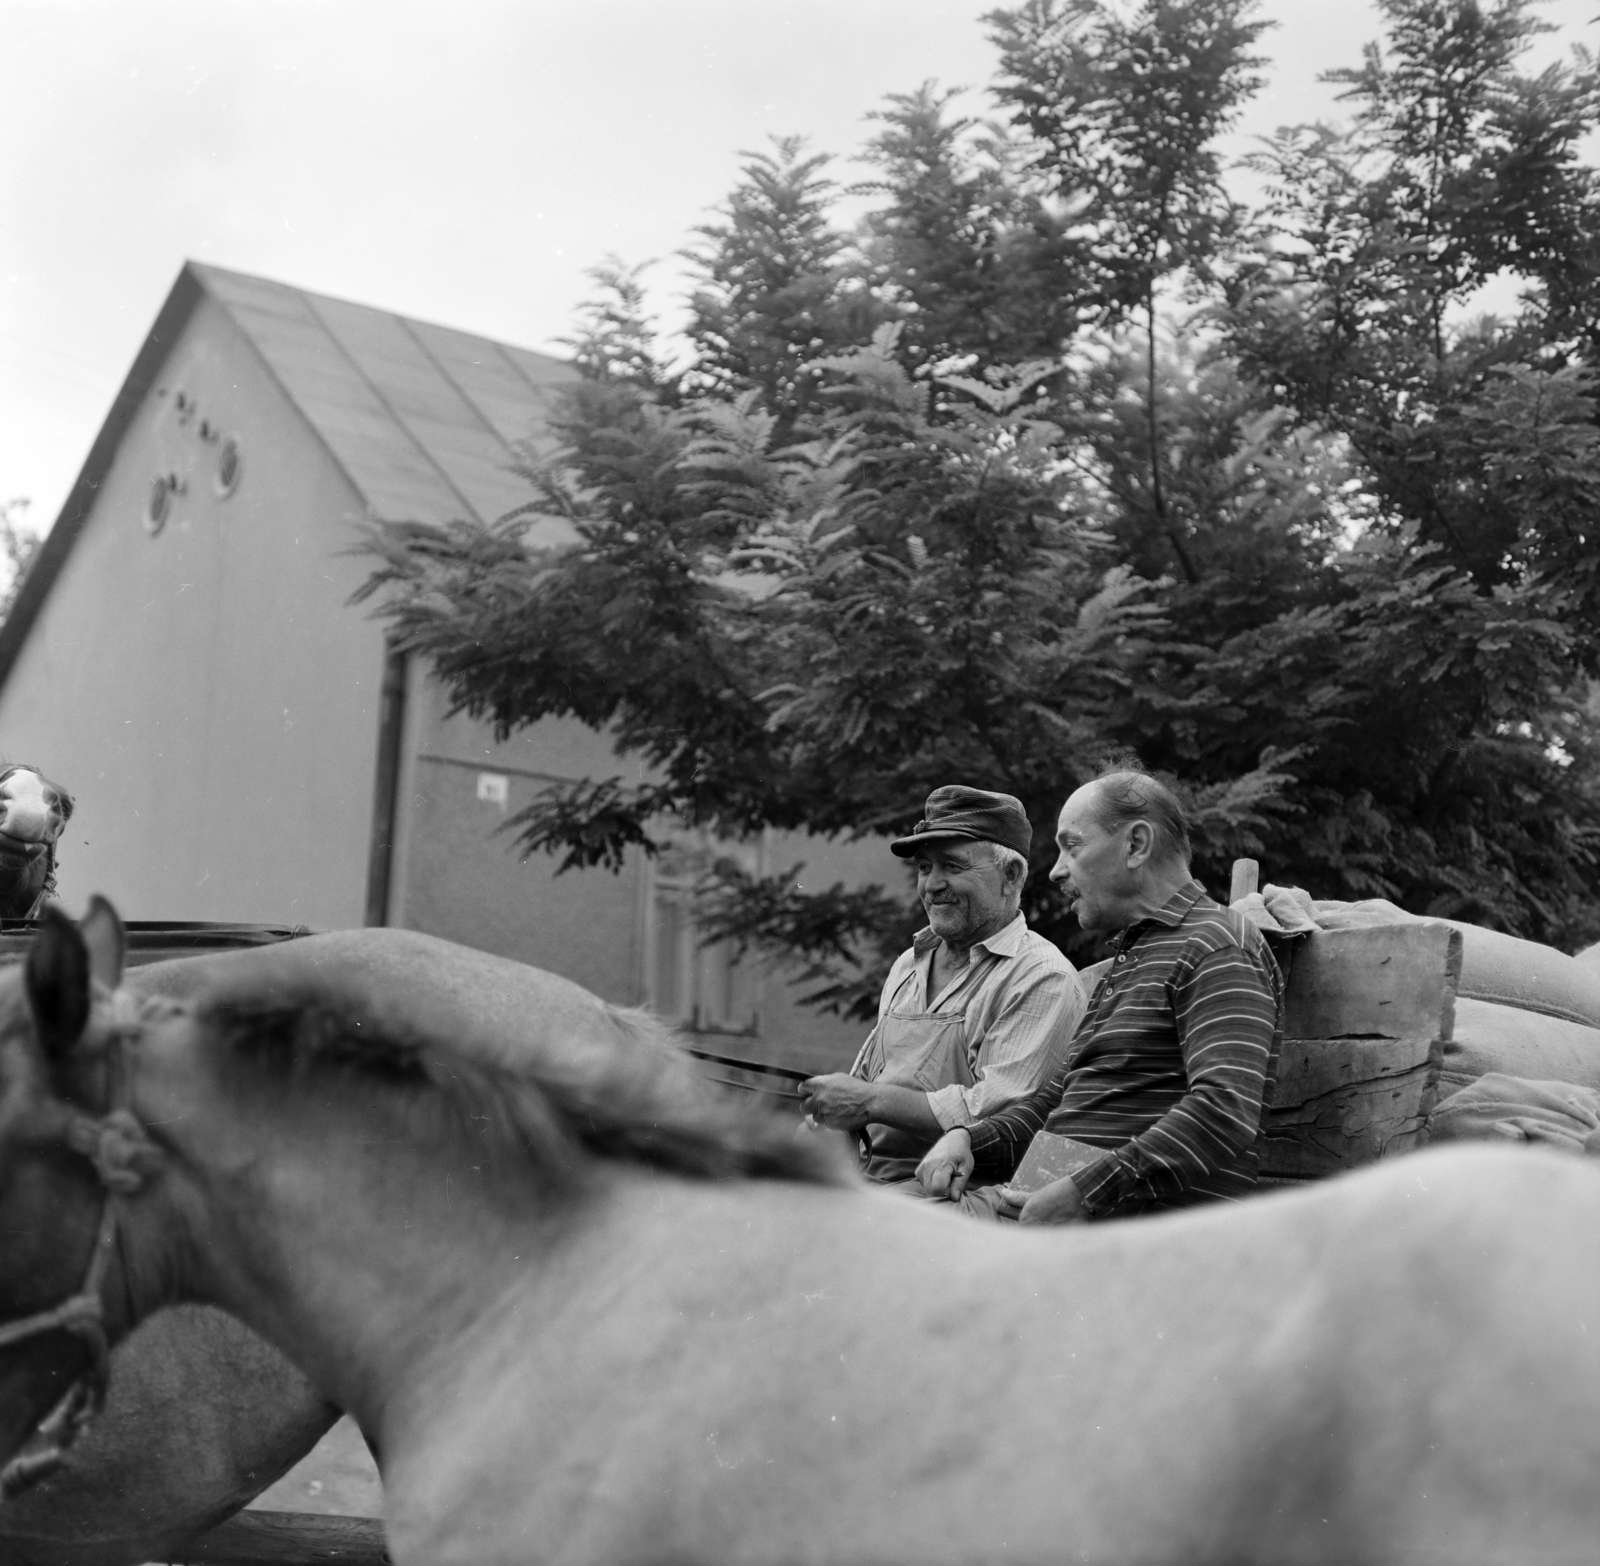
(158, 504)
(229, 466)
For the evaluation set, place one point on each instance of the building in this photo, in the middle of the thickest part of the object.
(184, 658)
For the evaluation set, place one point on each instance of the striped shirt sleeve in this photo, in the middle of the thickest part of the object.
(1000, 1139)
(1225, 1010)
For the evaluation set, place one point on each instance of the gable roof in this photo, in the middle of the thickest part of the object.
(422, 419)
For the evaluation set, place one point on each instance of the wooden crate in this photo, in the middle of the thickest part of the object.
(1367, 1015)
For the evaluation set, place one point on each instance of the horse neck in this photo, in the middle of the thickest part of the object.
(313, 1217)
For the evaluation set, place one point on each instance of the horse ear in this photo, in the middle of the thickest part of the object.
(57, 980)
(103, 934)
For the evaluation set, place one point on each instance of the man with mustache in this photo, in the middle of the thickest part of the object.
(1159, 1103)
(977, 1014)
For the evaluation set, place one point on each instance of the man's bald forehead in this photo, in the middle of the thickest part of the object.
(1087, 797)
(1114, 799)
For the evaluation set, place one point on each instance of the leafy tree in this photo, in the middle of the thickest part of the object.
(979, 261)
(968, 497)
(615, 339)
(812, 635)
(1124, 111)
(19, 542)
(1373, 244)
(1461, 634)
(776, 289)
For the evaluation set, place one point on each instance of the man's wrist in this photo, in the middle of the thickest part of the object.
(1098, 1184)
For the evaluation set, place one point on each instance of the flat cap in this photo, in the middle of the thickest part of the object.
(958, 811)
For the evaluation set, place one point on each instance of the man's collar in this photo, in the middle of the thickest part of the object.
(1176, 907)
(1005, 942)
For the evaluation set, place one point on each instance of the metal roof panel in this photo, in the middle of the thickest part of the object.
(424, 419)
(491, 378)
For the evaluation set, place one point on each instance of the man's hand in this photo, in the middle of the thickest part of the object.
(1059, 1202)
(839, 1101)
(947, 1165)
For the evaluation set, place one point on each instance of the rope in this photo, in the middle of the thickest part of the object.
(120, 1152)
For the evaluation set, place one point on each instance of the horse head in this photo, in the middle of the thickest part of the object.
(33, 814)
(61, 1162)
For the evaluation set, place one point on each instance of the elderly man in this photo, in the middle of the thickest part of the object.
(1159, 1103)
(977, 1014)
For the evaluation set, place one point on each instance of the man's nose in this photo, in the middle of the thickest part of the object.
(1060, 870)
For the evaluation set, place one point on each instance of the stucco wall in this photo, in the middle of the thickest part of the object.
(458, 874)
(204, 692)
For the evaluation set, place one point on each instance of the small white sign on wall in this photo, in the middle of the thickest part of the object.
(495, 787)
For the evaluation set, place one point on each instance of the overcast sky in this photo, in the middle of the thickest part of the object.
(458, 160)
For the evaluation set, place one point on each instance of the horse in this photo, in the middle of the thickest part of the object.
(201, 1416)
(33, 814)
(585, 1311)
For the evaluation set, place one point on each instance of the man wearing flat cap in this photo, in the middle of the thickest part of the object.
(977, 1014)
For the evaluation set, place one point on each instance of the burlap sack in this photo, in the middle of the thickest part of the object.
(1504, 1108)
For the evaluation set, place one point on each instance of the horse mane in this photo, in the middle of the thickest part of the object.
(641, 1102)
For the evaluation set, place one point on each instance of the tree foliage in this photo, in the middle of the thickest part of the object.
(615, 339)
(978, 261)
(19, 542)
(776, 285)
(1068, 447)
(1123, 109)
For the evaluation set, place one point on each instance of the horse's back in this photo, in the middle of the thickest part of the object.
(1453, 1393)
(1397, 1364)
(404, 980)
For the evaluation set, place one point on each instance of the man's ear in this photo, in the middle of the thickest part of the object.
(1141, 843)
(103, 935)
(56, 977)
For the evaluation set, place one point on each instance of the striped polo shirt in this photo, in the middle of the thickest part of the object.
(1167, 1071)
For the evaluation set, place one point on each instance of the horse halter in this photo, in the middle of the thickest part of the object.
(47, 890)
(83, 1313)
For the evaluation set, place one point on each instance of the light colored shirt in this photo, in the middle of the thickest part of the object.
(1020, 1001)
